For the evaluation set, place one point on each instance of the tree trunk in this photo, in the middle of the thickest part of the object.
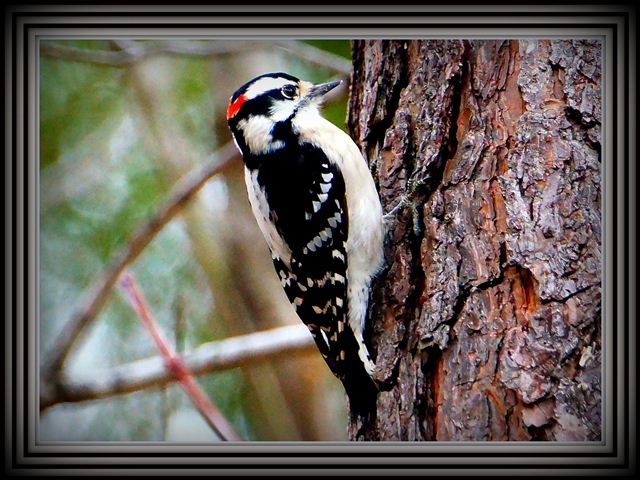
(486, 320)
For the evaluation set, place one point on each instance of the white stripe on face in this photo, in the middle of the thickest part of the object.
(282, 109)
(257, 134)
(264, 85)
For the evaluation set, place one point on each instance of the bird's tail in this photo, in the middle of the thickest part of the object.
(362, 393)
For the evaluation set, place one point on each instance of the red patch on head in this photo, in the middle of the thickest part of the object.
(234, 106)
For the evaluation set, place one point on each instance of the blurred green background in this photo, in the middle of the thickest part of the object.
(115, 137)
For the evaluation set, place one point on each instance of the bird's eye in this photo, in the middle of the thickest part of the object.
(289, 91)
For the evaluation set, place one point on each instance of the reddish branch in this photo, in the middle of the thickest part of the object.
(98, 293)
(174, 364)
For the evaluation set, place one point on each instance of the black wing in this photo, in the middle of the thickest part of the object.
(315, 229)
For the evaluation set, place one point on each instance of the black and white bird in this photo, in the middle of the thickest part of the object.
(317, 206)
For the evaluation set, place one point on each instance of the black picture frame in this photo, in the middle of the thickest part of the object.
(614, 455)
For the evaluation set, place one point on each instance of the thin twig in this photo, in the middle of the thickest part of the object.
(203, 404)
(240, 351)
(98, 293)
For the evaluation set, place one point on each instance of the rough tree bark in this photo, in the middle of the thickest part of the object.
(486, 321)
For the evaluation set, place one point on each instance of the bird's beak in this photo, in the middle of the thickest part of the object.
(321, 89)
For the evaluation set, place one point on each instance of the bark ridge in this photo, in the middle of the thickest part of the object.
(486, 321)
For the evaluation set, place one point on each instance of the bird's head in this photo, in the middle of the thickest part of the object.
(261, 112)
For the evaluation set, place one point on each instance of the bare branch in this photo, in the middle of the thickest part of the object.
(316, 55)
(73, 54)
(98, 293)
(173, 364)
(134, 51)
(240, 351)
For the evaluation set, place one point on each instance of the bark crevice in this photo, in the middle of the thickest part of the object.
(485, 319)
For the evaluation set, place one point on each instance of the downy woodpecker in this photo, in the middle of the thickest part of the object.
(316, 204)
